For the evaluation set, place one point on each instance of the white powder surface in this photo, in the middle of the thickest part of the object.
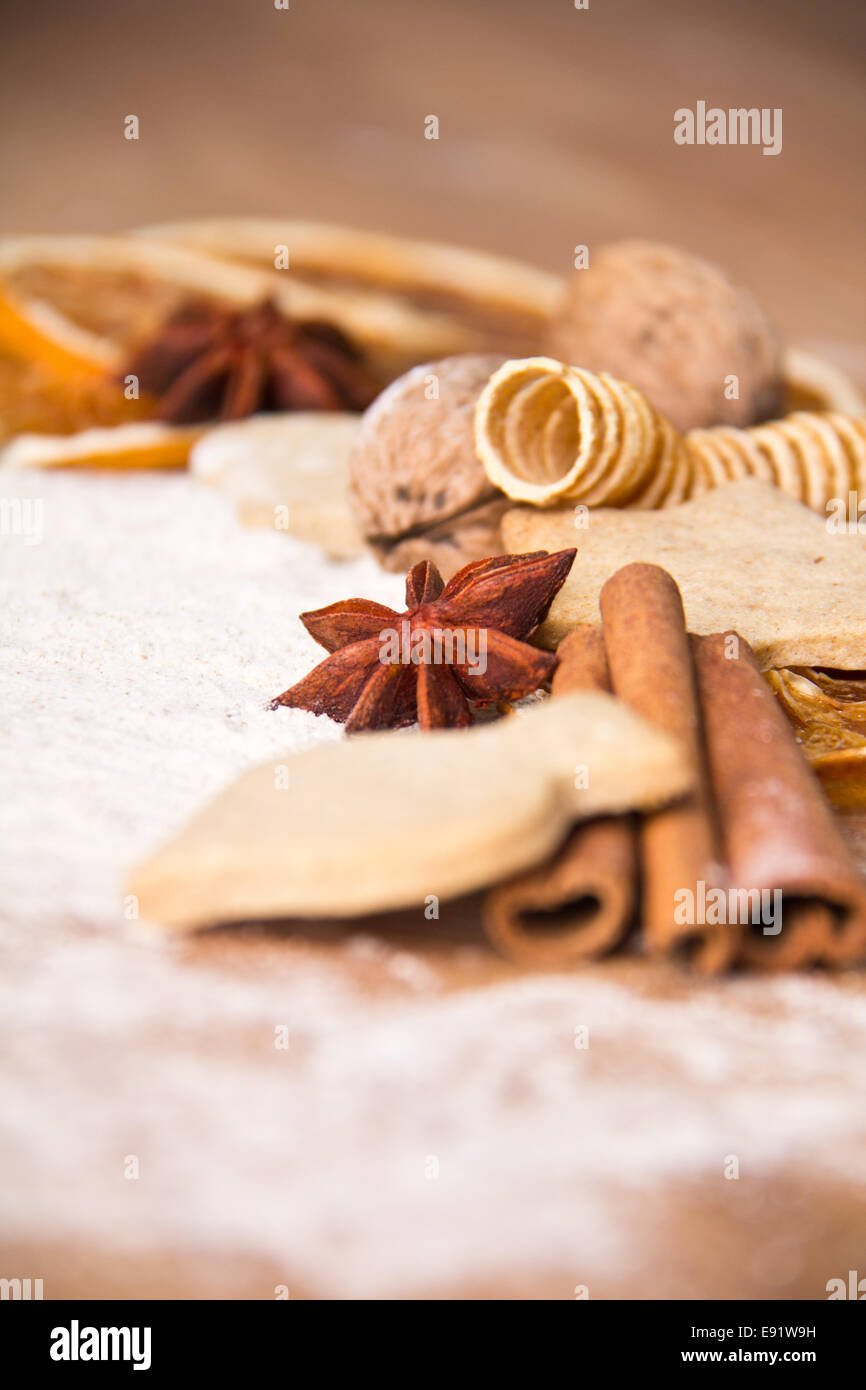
(431, 1123)
(141, 641)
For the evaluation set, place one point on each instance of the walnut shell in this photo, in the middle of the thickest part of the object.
(451, 544)
(414, 463)
(674, 326)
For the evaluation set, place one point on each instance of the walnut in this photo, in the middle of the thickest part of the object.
(450, 544)
(414, 465)
(677, 328)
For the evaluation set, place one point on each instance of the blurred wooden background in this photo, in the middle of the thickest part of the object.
(556, 126)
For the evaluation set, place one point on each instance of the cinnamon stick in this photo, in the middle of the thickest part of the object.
(579, 904)
(778, 829)
(650, 664)
(581, 662)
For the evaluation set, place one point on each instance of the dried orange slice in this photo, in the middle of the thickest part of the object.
(145, 444)
(398, 293)
(103, 293)
(71, 309)
(36, 332)
(35, 399)
(118, 290)
(828, 711)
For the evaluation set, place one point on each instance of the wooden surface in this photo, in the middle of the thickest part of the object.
(556, 127)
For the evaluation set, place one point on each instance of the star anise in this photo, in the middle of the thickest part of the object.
(456, 644)
(213, 363)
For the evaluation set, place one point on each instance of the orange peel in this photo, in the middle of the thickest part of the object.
(37, 333)
(144, 444)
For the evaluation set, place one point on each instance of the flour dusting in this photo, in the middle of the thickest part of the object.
(420, 1127)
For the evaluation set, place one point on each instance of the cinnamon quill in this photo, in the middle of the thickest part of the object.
(650, 662)
(778, 829)
(754, 848)
(579, 904)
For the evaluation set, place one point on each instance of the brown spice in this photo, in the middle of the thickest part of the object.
(778, 829)
(455, 644)
(210, 363)
(579, 904)
(651, 669)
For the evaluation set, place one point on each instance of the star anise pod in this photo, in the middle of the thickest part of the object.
(214, 363)
(456, 644)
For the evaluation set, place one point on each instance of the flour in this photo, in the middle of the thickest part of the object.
(411, 1134)
(141, 641)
